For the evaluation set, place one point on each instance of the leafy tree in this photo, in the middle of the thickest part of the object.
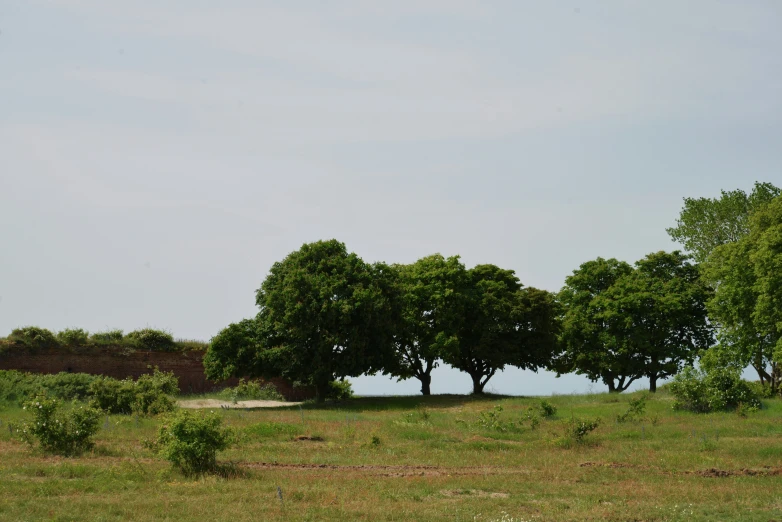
(325, 314)
(590, 347)
(430, 292)
(705, 223)
(660, 309)
(500, 324)
(748, 298)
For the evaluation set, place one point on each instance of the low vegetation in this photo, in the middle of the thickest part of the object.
(34, 338)
(404, 458)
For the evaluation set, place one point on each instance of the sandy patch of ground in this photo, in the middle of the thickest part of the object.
(239, 405)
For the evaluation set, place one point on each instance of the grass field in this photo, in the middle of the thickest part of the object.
(415, 458)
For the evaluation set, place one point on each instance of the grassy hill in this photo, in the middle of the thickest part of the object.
(415, 458)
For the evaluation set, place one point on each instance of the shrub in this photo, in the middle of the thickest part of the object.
(715, 390)
(34, 337)
(73, 337)
(154, 340)
(149, 395)
(762, 391)
(546, 409)
(635, 410)
(59, 433)
(17, 387)
(107, 337)
(252, 390)
(190, 441)
(340, 390)
(579, 428)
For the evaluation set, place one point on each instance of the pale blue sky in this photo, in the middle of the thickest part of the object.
(157, 157)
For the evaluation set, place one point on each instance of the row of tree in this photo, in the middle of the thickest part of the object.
(326, 314)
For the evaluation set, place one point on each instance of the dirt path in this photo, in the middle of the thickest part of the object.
(239, 405)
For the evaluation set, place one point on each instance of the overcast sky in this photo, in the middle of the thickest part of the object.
(157, 157)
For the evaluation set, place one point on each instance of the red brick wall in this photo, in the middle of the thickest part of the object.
(186, 366)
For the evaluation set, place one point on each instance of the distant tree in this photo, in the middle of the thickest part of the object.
(326, 314)
(501, 325)
(660, 310)
(747, 303)
(706, 223)
(430, 292)
(590, 347)
(237, 351)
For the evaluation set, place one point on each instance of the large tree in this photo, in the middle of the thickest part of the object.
(431, 291)
(501, 324)
(590, 347)
(660, 309)
(324, 314)
(706, 223)
(748, 299)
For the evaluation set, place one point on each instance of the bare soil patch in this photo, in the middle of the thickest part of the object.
(239, 405)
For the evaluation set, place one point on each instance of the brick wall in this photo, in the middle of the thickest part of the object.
(187, 366)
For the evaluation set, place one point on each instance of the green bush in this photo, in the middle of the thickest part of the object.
(716, 390)
(149, 395)
(73, 337)
(17, 387)
(635, 410)
(61, 433)
(546, 409)
(107, 337)
(762, 391)
(340, 390)
(154, 340)
(34, 337)
(253, 391)
(190, 441)
(580, 428)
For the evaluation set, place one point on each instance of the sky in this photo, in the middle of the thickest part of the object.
(157, 157)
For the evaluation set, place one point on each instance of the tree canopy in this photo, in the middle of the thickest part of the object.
(501, 324)
(431, 292)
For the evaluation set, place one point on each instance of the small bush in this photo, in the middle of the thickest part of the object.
(716, 390)
(578, 429)
(340, 390)
(34, 337)
(73, 337)
(149, 395)
(546, 409)
(17, 387)
(635, 411)
(58, 433)
(153, 340)
(762, 391)
(190, 441)
(253, 391)
(107, 337)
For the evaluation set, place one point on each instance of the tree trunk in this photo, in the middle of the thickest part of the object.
(653, 383)
(612, 387)
(426, 381)
(321, 390)
(477, 385)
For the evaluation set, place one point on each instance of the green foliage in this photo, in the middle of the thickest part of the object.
(635, 410)
(431, 293)
(149, 395)
(235, 351)
(34, 337)
(61, 433)
(546, 409)
(502, 324)
(107, 337)
(17, 387)
(578, 429)
(608, 333)
(704, 224)
(153, 340)
(325, 314)
(73, 337)
(717, 390)
(190, 441)
(252, 390)
(339, 390)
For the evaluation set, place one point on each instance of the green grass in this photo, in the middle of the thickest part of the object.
(407, 458)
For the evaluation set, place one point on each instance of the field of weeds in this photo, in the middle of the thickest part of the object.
(584, 457)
